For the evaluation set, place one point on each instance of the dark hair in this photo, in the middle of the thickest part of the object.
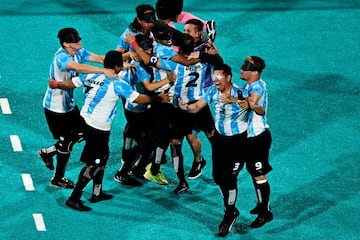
(187, 44)
(141, 9)
(226, 68)
(168, 9)
(259, 63)
(145, 42)
(112, 59)
(166, 34)
(140, 12)
(69, 35)
(253, 63)
(199, 24)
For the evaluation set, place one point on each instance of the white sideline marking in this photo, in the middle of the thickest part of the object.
(39, 222)
(27, 181)
(15, 142)
(5, 107)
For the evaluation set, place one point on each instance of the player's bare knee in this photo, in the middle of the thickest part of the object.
(176, 142)
(261, 179)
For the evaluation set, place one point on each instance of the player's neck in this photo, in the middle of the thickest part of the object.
(253, 79)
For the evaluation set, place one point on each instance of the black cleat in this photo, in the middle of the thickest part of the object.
(227, 222)
(182, 187)
(101, 197)
(47, 158)
(126, 180)
(211, 30)
(257, 209)
(137, 172)
(196, 169)
(77, 205)
(262, 219)
(62, 183)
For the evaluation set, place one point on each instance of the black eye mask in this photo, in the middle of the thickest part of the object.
(149, 17)
(165, 35)
(72, 37)
(248, 66)
(146, 44)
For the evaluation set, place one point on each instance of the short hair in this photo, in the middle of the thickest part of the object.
(166, 9)
(199, 24)
(164, 34)
(141, 9)
(140, 13)
(253, 63)
(144, 42)
(112, 59)
(187, 43)
(259, 63)
(224, 67)
(69, 35)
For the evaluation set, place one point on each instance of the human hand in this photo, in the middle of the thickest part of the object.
(244, 104)
(212, 51)
(225, 98)
(171, 76)
(211, 48)
(194, 55)
(184, 106)
(134, 56)
(165, 97)
(51, 83)
(129, 66)
(130, 38)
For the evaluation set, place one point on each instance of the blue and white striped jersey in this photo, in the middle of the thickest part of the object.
(258, 123)
(190, 81)
(101, 97)
(160, 74)
(123, 44)
(57, 100)
(165, 53)
(135, 79)
(189, 84)
(230, 118)
(208, 82)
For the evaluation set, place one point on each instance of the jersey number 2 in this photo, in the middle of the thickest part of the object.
(192, 82)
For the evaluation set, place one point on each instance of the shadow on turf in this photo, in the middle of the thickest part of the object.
(318, 195)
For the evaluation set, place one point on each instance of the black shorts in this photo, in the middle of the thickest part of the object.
(64, 124)
(257, 162)
(184, 122)
(138, 123)
(229, 155)
(96, 149)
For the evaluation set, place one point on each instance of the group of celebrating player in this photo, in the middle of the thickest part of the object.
(166, 80)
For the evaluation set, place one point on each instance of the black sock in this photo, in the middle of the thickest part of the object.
(155, 167)
(263, 195)
(97, 182)
(229, 197)
(61, 163)
(178, 162)
(80, 185)
(129, 157)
